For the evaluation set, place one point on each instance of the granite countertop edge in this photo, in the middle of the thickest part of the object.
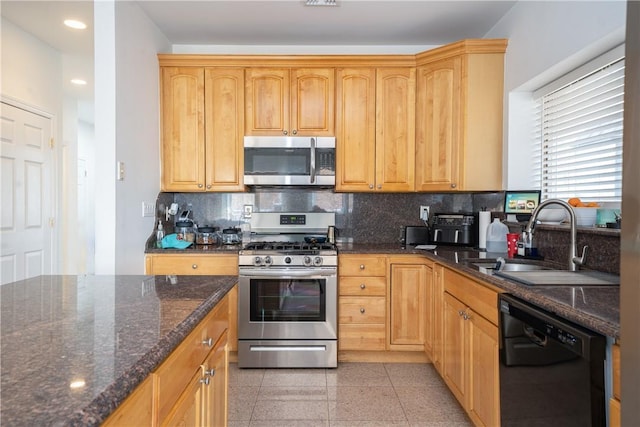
(540, 296)
(103, 405)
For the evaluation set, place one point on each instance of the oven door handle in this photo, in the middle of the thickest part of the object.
(288, 274)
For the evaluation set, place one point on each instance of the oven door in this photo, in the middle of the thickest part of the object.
(287, 304)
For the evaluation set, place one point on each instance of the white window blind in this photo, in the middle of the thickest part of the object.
(579, 135)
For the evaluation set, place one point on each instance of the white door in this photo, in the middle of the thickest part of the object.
(26, 200)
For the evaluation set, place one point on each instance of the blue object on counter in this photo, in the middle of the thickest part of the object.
(172, 241)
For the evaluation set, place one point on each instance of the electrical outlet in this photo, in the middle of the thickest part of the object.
(247, 211)
(424, 213)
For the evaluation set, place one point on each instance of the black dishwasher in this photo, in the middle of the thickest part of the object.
(551, 370)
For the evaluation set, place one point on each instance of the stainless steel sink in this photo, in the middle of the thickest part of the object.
(512, 266)
(561, 278)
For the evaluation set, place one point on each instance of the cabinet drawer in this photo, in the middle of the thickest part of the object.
(193, 264)
(362, 265)
(361, 310)
(361, 337)
(175, 373)
(480, 298)
(363, 286)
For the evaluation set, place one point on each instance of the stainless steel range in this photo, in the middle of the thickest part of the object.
(287, 300)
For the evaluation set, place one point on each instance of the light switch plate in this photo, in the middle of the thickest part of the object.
(148, 209)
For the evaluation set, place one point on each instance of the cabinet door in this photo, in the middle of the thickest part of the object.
(395, 129)
(408, 305)
(484, 385)
(429, 312)
(183, 138)
(215, 391)
(454, 351)
(355, 129)
(438, 311)
(438, 132)
(266, 101)
(224, 118)
(188, 409)
(312, 101)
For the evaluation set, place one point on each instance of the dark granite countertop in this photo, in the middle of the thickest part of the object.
(74, 347)
(196, 249)
(594, 307)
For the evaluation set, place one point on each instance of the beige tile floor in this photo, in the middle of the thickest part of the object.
(354, 394)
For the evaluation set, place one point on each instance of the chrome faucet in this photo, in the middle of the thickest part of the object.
(574, 259)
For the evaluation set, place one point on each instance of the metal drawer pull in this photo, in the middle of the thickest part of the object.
(194, 266)
(361, 266)
(211, 372)
(362, 286)
(362, 310)
(208, 342)
(205, 380)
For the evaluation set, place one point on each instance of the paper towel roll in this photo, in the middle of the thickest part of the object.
(483, 223)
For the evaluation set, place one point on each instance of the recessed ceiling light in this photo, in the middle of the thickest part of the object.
(79, 82)
(75, 24)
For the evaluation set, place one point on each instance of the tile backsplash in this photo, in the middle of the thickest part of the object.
(361, 217)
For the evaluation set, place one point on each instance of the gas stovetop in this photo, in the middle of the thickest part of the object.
(288, 254)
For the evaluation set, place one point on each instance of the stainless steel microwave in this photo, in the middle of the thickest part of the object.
(289, 160)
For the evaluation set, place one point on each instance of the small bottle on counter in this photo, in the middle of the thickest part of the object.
(159, 234)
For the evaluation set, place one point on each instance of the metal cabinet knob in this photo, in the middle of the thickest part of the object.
(194, 266)
(208, 342)
(211, 372)
(205, 380)
(379, 186)
(361, 266)
(371, 186)
(295, 132)
(199, 185)
(453, 185)
(362, 310)
(208, 186)
(460, 313)
(362, 286)
(284, 132)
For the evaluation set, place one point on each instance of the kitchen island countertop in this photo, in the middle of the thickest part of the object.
(74, 347)
(594, 307)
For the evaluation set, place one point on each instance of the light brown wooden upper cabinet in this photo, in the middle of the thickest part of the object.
(296, 101)
(375, 155)
(459, 117)
(202, 129)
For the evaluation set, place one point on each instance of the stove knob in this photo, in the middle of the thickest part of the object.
(307, 261)
(317, 261)
(268, 261)
(287, 260)
(257, 261)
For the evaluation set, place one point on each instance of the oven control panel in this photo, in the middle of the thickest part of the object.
(295, 219)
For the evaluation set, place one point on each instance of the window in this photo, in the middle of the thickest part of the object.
(579, 132)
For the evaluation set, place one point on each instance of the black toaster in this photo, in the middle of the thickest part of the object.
(415, 235)
(454, 229)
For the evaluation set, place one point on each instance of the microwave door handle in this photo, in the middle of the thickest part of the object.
(457, 234)
(313, 160)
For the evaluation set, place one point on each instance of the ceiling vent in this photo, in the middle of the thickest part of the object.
(321, 2)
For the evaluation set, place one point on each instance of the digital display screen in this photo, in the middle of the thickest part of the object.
(521, 202)
(293, 219)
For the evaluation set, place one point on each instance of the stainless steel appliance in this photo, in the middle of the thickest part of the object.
(289, 160)
(454, 229)
(287, 299)
(551, 370)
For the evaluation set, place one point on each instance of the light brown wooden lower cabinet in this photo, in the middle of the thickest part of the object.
(614, 402)
(470, 359)
(192, 264)
(190, 386)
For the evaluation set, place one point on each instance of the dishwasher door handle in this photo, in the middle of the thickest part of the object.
(535, 336)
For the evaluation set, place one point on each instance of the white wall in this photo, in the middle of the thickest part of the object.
(130, 124)
(547, 39)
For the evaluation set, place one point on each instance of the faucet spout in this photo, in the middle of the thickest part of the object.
(574, 261)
